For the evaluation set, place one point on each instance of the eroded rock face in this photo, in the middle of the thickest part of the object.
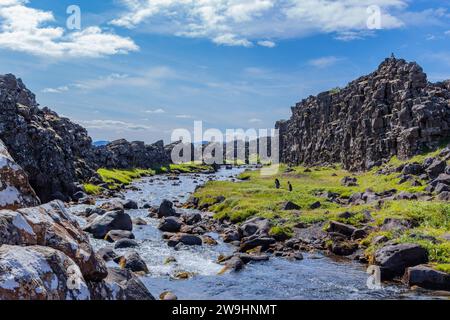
(121, 154)
(54, 151)
(393, 111)
(52, 226)
(39, 273)
(15, 190)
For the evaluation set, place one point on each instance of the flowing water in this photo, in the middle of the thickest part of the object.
(315, 277)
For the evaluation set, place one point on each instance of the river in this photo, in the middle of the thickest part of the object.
(315, 277)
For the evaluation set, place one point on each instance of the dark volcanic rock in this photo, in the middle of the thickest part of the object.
(113, 220)
(394, 259)
(166, 210)
(170, 224)
(393, 111)
(121, 154)
(54, 151)
(428, 278)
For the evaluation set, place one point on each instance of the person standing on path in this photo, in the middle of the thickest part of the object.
(277, 183)
(290, 186)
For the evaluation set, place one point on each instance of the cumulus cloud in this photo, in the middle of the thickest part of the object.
(324, 62)
(113, 125)
(27, 29)
(156, 111)
(246, 22)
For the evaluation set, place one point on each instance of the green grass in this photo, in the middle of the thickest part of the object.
(115, 177)
(256, 195)
(92, 189)
(190, 167)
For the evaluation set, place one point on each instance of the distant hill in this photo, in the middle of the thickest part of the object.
(100, 143)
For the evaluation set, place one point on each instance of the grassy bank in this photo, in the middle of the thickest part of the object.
(115, 178)
(256, 195)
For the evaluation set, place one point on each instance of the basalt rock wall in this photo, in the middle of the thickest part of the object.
(393, 111)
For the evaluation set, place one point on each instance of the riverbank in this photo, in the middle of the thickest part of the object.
(402, 206)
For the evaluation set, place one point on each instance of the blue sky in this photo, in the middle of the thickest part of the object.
(140, 68)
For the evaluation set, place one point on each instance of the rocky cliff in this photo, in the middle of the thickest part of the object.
(53, 151)
(121, 154)
(56, 153)
(393, 111)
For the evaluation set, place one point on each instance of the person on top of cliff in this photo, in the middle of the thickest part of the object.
(277, 183)
(290, 186)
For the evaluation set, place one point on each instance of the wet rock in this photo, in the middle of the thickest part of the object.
(186, 239)
(427, 277)
(39, 273)
(115, 235)
(97, 211)
(166, 210)
(254, 242)
(288, 205)
(113, 205)
(15, 189)
(168, 296)
(231, 235)
(170, 224)
(107, 254)
(139, 221)
(191, 219)
(343, 248)
(125, 243)
(130, 204)
(235, 264)
(113, 220)
(133, 261)
(209, 241)
(394, 259)
(247, 258)
(120, 284)
(341, 228)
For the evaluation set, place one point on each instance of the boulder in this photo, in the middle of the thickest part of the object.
(112, 205)
(342, 228)
(115, 235)
(55, 227)
(436, 168)
(107, 254)
(139, 221)
(168, 296)
(315, 205)
(133, 261)
(130, 205)
(170, 224)
(426, 277)
(15, 189)
(349, 181)
(125, 243)
(191, 219)
(394, 259)
(186, 239)
(166, 210)
(256, 226)
(289, 205)
(253, 242)
(39, 273)
(113, 220)
(120, 284)
(231, 235)
(413, 168)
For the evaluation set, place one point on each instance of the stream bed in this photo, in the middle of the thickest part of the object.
(315, 277)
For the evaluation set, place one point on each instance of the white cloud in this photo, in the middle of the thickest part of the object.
(255, 120)
(324, 62)
(156, 111)
(267, 43)
(27, 30)
(113, 125)
(56, 90)
(183, 116)
(245, 22)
